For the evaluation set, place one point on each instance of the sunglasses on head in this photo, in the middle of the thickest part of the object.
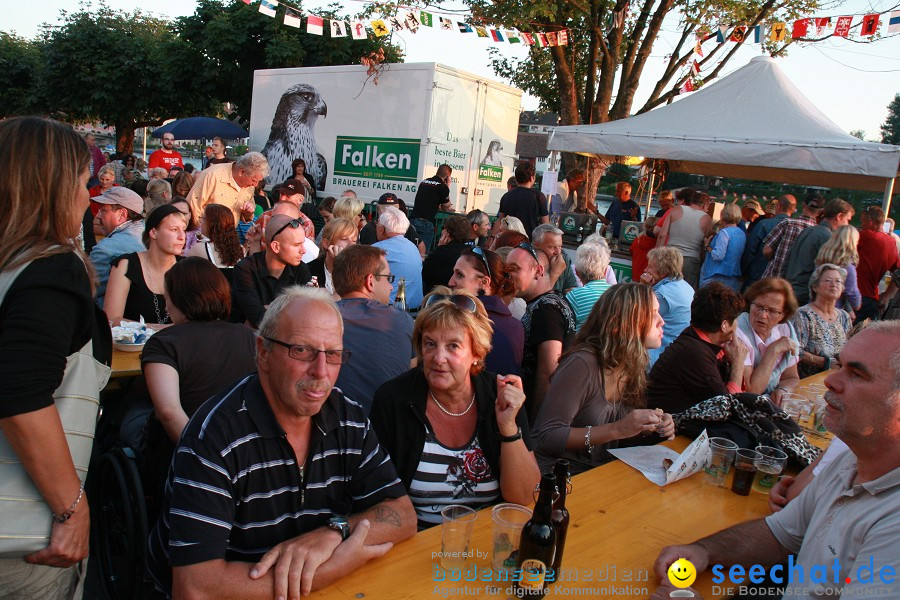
(530, 249)
(479, 252)
(293, 224)
(460, 301)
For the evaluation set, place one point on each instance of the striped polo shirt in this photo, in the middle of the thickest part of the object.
(235, 490)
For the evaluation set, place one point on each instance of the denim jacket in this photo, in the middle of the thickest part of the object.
(124, 239)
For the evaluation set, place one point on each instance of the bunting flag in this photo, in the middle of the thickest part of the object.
(737, 34)
(446, 24)
(268, 7)
(426, 19)
(527, 38)
(869, 24)
(688, 86)
(338, 28)
(380, 28)
(842, 27)
(464, 28)
(758, 34)
(823, 24)
(358, 30)
(894, 22)
(247, 1)
(411, 21)
(496, 35)
(563, 37)
(542, 40)
(698, 47)
(481, 31)
(512, 37)
(800, 27)
(778, 32)
(720, 35)
(695, 68)
(315, 25)
(292, 17)
(551, 38)
(396, 24)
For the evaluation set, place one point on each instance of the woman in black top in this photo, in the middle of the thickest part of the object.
(135, 287)
(46, 314)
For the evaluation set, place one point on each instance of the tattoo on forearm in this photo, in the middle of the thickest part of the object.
(386, 514)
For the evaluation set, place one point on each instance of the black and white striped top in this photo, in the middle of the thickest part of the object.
(235, 490)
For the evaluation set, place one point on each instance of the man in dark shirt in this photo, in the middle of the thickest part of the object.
(279, 482)
(705, 360)
(260, 277)
(526, 204)
(623, 208)
(549, 323)
(433, 195)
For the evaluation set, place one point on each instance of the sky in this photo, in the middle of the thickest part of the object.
(851, 82)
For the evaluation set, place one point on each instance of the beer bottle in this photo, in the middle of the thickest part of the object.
(537, 545)
(560, 515)
(400, 298)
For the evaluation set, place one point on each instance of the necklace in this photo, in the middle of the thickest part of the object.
(160, 318)
(447, 412)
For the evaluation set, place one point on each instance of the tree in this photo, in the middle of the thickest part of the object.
(20, 62)
(238, 39)
(859, 134)
(890, 129)
(128, 70)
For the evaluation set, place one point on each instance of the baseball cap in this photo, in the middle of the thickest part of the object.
(754, 206)
(291, 186)
(772, 207)
(123, 197)
(388, 199)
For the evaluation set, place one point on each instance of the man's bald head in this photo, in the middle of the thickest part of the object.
(276, 223)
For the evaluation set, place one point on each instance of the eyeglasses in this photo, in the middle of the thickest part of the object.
(310, 354)
(293, 224)
(480, 254)
(530, 249)
(389, 276)
(460, 301)
(766, 310)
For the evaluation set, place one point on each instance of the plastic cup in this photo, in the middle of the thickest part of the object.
(793, 404)
(769, 466)
(508, 520)
(721, 457)
(744, 471)
(456, 531)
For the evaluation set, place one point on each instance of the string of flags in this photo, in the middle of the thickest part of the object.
(409, 20)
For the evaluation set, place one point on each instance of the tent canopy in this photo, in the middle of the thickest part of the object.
(752, 124)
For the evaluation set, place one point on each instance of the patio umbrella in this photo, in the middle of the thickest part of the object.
(195, 128)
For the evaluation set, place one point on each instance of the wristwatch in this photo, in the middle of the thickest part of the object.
(512, 438)
(341, 525)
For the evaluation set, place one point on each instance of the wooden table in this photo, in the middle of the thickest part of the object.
(619, 523)
(125, 364)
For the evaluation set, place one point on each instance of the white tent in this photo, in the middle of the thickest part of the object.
(752, 124)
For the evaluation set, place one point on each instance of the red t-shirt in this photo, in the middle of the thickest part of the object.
(877, 256)
(164, 160)
(639, 249)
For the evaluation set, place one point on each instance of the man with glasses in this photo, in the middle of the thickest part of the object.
(377, 334)
(261, 277)
(166, 157)
(230, 184)
(279, 485)
(549, 322)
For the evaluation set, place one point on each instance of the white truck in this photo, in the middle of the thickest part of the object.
(387, 137)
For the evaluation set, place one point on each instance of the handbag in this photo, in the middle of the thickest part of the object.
(25, 519)
(748, 420)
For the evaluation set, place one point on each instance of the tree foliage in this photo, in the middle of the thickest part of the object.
(20, 63)
(237, 40)
(890, 129)
(128, 70)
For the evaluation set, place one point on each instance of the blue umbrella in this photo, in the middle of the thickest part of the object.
(195, 128)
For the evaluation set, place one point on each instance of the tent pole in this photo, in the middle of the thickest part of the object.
(888, 192)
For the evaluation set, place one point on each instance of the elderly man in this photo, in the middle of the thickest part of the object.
(751, 211)
(279, 485)
(261, 277)
(402, 255)
(549, 322)
(166, 157)
(549, 238)
(877, 256)
(122, 222)
(367, 234)
(845, 523)
(362, 278)
(591, 262)
(229, 184)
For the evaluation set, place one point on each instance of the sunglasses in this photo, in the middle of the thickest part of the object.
(460, 301)
(389, 276)
(480, 254)
(293, 224)
(530, 249)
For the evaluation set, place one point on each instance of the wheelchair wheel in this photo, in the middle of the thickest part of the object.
(119, 524)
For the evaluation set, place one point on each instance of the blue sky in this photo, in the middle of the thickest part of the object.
(850, 82)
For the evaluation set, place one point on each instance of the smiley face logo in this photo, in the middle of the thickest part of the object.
(682, 573)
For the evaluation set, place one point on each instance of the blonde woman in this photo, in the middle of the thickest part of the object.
(338, 234)
(596, 395)
(724, 250)
(351, 208)
(840, 250)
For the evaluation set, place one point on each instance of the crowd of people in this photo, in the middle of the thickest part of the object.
(319, 394)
